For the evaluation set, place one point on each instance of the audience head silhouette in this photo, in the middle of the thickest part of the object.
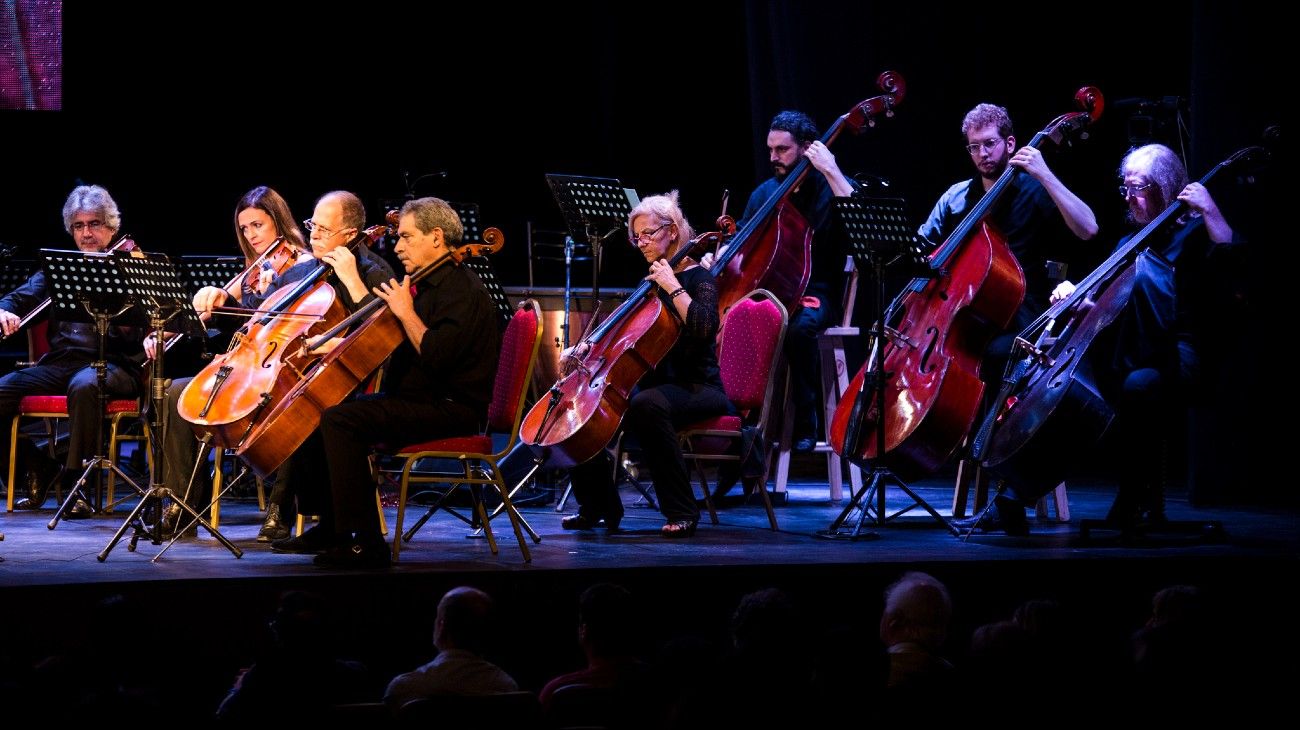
(917, 610)
(464, 620)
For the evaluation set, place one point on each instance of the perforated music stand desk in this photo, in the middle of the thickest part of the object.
(591, 205)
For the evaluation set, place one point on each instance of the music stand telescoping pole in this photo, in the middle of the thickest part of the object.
(157, 290)
(880, 237)
(589, 205)
(86, 287)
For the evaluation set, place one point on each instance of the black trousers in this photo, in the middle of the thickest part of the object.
(805, 364)
(330, 473)
(74, 377)
(653, 418)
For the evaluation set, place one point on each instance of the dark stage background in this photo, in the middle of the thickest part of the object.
(178, 124)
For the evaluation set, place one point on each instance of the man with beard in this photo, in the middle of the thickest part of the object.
(1029, 217)
(790, 136)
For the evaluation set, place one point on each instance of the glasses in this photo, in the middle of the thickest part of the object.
(988, 145)
(94, 225)
(1127, 190)
(312, 227)
(648, 234)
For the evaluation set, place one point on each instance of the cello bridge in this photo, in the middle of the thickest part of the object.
(1033, 351)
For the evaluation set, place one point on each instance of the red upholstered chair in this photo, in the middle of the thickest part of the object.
(749, 348)
(477, 460)
(50, 407)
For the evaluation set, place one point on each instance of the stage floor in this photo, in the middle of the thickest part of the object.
(34, 555)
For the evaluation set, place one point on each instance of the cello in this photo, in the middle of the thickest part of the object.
(373, 332)
(772, 250)
(230, 394)
(582, 411)
(932, 356)
(1050, 404)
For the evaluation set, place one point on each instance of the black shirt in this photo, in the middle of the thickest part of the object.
(1025, 216)
(373, 270)
(692, 359)
(458, 354)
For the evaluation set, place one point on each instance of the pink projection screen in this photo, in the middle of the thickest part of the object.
(31, 54)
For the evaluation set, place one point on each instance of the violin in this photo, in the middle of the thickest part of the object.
(373, 332)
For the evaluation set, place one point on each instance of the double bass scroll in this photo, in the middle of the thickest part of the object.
(772, 250)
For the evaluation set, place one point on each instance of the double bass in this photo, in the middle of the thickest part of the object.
(772, 250)
(373, 332)
(932, 355)
(1050, 404)
(581, 413)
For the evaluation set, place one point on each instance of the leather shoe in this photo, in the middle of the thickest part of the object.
(79, 510)
(679, 528)
(38, 475)
(1006, 516)
(355, 554)
(316, 540)
(585, 522)
(273, 527)
(805, 445)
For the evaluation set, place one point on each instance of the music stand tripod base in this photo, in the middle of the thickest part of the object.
(157, 289)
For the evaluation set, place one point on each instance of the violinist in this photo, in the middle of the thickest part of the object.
(91, 217)
(262, 217)
(684, 388)
(438, 384)
(792, 135)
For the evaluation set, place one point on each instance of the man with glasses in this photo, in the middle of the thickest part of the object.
(1029, 216)
(438, 384)
(91, 217)
(1036, 216)
(791, 136)
(1154, 362)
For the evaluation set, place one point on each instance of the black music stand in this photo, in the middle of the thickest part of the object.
(87, 287)
(591, 205)
(472, 231)
(880, 236)
(156, 290)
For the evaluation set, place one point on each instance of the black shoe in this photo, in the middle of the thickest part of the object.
(355, 554)
(79, 510)
(38, 475)
(585, 522)
(805, 445)
(316, 540)
(273, 527)
(1007, 516)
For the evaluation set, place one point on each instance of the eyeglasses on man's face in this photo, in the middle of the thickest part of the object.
(313, 228)
(1134, 190)
(93, 225)
(988, 145)
(649, 233)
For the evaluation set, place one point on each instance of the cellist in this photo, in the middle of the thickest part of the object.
(792, 135)
(438, 384)
(685, 387)
(262, 217)
(1151, 363)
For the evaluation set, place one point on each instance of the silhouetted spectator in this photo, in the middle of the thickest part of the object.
(460, 634)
